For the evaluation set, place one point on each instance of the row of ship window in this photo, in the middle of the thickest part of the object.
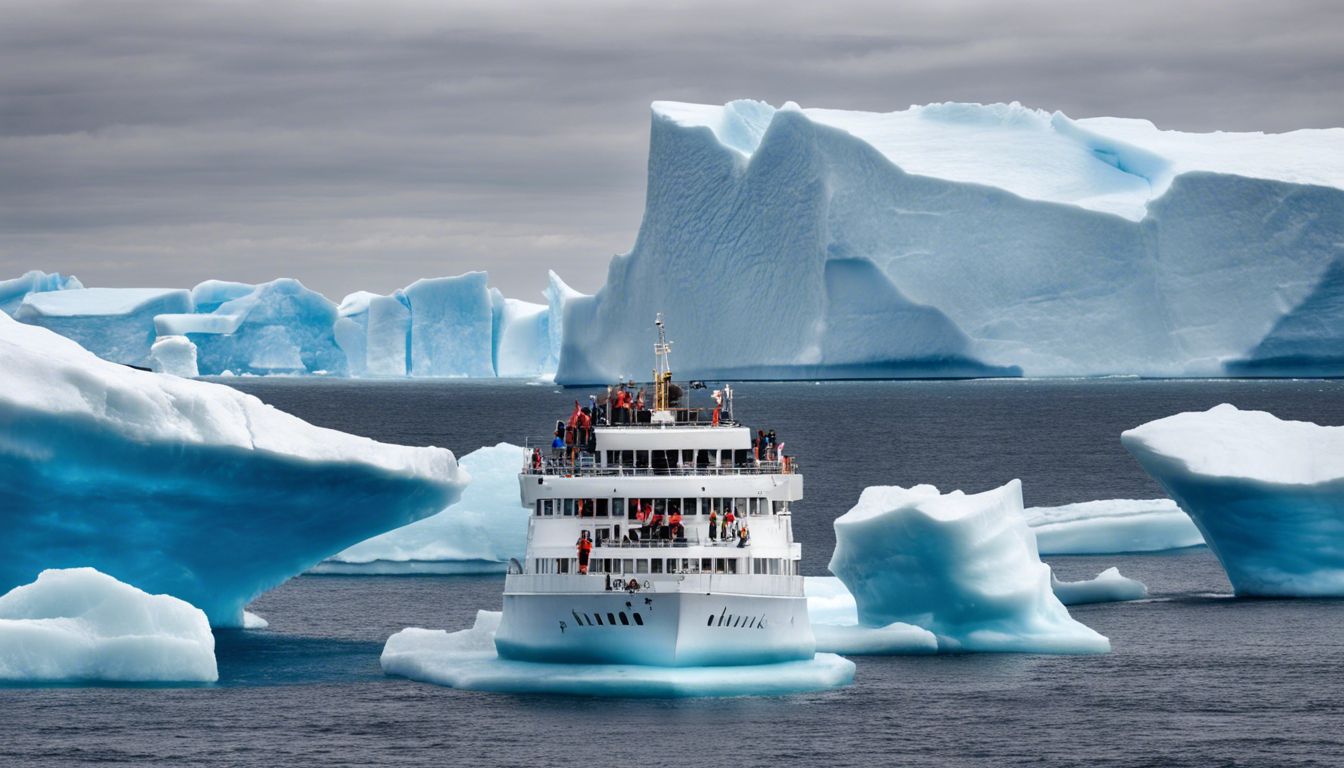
(629, 508)
(628, 566)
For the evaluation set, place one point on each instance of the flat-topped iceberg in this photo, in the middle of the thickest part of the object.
(963, 567)
(1111, 526)
(79, 625)
(1267, 494)
(467, 659)
(478, 534)
(968, 239)
(14, 289)
(116, 324)
(184, 487)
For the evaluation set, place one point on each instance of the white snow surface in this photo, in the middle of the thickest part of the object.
(972, 239)
(964, 567)
(1267, 494)
(1106, 587)
(467, 659)
(79, 625)
(1109, 526)
(477, 534)
(184, 487)
(174, 355)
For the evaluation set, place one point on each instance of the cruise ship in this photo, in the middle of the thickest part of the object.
(660, 535)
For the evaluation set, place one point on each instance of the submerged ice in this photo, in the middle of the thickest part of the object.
(963, 567)
(184, 487)
(467, 659)
(79, 625)
(1267, 494)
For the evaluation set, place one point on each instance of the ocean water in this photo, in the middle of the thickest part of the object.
(1195, 677)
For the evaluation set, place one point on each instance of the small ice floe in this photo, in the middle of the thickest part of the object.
(80, 625)
(253, 621)
(1111, 526)
(467, 660)
(1106, 587)
(962, 567)
(1268, 494)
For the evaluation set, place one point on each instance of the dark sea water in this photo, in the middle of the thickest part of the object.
(1195, 677)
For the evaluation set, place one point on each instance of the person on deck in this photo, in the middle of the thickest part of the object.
(713, 525)
(728, 519)
(585, 547)
(742, 537)
(675, 526)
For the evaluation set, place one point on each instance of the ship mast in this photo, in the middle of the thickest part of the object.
(662, 375)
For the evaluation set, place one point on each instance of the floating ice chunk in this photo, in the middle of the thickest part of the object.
(895, 639)
(1110, 526)
(964, 567)
(175, 355)
(478, 534)
(13, 290)
(467, 660)
(184, 487)
(1267, 494)
(116, 324)
(451, 326)
(253, 621)
(523, 348)
(276, 327)
(79, 625)
(1106, 587)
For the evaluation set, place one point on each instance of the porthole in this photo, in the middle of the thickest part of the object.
(624, 621)
(640, 619)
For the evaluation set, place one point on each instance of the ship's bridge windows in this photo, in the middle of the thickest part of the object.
(781, 507)
(656, 565)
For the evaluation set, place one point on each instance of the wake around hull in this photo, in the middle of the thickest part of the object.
(666, 629)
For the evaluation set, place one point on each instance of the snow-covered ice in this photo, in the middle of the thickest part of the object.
(116, 324)
(79, 625)
(1106, 587)
(971, 239)
(467, 659)
(964, 567)
(477, 534)
(1111, 526)
(184, 487)
(253, 621)
(175, 355)
(14, 289)
(1267, 494)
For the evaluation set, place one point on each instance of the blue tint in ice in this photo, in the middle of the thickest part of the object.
(276, 327)
(478, 534)
(14, 289)
(964, 567)
(184, 487)
(79, 625)
(451, 326)
(466, 659)
(1111, 526)
(1267, 494)
(971, 239)
(116, 324)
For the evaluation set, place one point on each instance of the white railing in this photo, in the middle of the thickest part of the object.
(656, 583)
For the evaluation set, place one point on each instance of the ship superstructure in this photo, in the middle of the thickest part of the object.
(660, 534)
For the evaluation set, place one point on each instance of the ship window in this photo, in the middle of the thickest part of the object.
(562, 565)
(611, 619)
(719, 566)
(603, 506)
(688, 506)
(656, 565)
(756, 566)
(710, 623)
(642, 459)
(732, 565)
(641, 566)
(598, 616)
(707, 565)
(740, 507)
(781, 507)
(577, 620)
(629, 566)
(624, 621)
(639, 619)
(568, 506)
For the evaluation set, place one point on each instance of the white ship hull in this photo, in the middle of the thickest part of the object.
(672, 628)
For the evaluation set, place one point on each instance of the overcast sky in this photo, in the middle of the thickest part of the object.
(360, 145)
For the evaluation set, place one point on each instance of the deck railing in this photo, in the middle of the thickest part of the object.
(585, 465)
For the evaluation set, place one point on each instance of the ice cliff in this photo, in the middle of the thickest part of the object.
(959, 239)
(79, 625)
(184, 487)
(1267, 494)
(964, 568)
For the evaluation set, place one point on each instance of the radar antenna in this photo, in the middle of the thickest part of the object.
(662, 375)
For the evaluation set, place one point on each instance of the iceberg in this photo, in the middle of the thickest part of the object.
(1106, 587)
(1267, 494)
(13, 290)
(1111, 526)
(116, 324)
(184, 487)
(467, 659)
(963, 567)
(968, 239)
(79, 625)
(478, 534)
(522, 338)
(375, 333)
(174, 355)
(275, 327)
(452, 326)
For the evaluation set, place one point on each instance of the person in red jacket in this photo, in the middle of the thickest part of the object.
(585, 546)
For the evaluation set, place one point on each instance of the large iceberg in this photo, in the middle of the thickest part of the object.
(964, 567)
(966, 239)
(79, 625)
(1267, 494)
(116, 324)
(184, 487)
(467, 659)
(451, 326)
(1109, 526)
(478, 534)
(275, 327)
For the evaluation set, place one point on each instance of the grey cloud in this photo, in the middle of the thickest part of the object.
(361, 145)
